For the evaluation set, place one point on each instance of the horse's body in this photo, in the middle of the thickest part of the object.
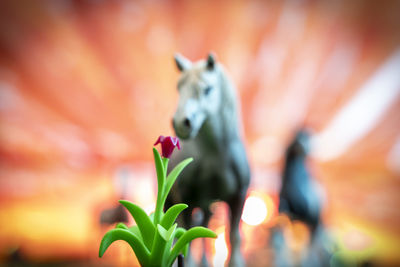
(206, 121)
(299, 197)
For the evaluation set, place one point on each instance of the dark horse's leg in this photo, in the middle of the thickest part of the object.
(186, 222)
(187, 219)
(206, 218)
(236, 207)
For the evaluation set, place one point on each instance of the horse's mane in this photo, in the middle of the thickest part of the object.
(229, 106)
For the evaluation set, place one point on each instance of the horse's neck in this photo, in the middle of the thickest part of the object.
(228, 114)
(215, 135)
(296, 170)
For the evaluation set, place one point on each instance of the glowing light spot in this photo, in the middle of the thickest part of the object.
(221, 249)
(255, 211)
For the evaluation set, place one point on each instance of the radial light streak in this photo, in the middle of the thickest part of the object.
(362, 113)
(393, 158)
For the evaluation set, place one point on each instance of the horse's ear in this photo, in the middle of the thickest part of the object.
(211, 61)
(181, 62)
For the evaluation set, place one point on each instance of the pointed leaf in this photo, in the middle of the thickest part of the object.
(159, 168)
(167, 251)
(173, 175)
(163, 232)
(142, 220)
(187, 237)
(172, 213)
(135, 230)
(174, 233)
(160, 183)
(158, 248)
(166, 234)
(122, 226)
(141, 252)
(178, 233)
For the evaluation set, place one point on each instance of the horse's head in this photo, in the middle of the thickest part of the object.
(199, 94)
(301, 144)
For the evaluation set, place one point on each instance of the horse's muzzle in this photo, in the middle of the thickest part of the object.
(183, 129)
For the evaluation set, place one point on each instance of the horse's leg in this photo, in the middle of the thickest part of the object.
(186, 219)
(206, 218)
(236, 208)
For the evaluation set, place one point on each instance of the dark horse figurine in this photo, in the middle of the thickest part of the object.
(206, 121)
(298, 197)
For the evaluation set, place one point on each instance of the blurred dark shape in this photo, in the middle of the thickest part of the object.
(180, 260)
(320, 251)
(298, 197)
(299, 200)
(117, 213)
(15, 257)
(368, 263)
(113, 215)
(282, 257)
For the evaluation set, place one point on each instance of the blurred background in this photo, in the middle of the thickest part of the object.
(86, 87)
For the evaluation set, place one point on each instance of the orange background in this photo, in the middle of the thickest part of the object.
(86, 87)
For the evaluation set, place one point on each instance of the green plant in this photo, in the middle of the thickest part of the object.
(155, 239)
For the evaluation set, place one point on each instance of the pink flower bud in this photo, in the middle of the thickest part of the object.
(168, 145)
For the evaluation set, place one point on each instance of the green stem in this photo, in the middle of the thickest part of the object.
(162, 194)
(161, 185)
(165, 163)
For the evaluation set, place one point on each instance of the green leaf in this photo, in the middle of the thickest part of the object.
(122, 226)
(167, 250)
(173, 175)
(158, 249)
(142, 220)
(159, 168)
(178, 233)
(160, 183)
(164, 233)
(187, 237)
(135, 230)
(137, 245)
(172, 213)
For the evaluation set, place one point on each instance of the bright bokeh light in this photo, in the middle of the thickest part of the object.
(255, 211)
(221, 249)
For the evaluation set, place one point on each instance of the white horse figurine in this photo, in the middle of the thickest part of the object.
(206, 121)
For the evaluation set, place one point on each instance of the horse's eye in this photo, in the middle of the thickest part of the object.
(207, 90)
